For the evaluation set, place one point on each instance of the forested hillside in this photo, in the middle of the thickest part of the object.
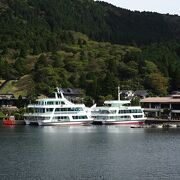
(100, 21)
(40, 38)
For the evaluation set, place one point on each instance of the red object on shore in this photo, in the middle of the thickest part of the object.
(9, 121)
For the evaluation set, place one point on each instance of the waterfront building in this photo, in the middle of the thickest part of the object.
(9, 100)
(127, 94)
(130, 94)
(141, 94)
(164, 107)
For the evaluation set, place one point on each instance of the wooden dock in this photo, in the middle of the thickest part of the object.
(150, 121)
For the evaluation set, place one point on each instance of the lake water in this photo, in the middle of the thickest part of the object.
(89, 153)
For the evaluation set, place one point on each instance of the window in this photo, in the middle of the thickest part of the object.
(49, 110)
(79, 117)
(50, 103)
(62, 118)
(124, 117)
(113, 111)
(137, 116)
(130, 111)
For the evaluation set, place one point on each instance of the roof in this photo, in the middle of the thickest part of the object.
(117, 102)
(160, 100)
(7, 96)
(71, 91)
(141, 92)
(175, 95)
(125, 91)
(175, 92)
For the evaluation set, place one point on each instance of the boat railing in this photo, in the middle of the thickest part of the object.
(103, 112)
(58, 112)
(44, 105)
(37, 114)
(68, 112)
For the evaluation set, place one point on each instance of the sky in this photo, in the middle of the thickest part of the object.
(161, 6)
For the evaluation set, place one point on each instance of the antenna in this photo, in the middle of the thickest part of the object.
(58, 91)
(119, 94)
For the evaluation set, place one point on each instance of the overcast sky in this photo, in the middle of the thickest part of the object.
(161, 6)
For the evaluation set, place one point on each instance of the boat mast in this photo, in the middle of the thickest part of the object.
(58, 92)
(119, 94)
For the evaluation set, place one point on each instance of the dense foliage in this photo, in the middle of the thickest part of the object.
(38, 22)
(38, 37)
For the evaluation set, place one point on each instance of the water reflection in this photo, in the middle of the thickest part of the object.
(89, 152)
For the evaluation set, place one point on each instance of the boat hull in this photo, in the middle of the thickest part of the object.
(66, 124)
(70, 123)
(118, 122)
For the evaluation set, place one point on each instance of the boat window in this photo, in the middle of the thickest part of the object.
(40, 102)
(61, 117)
(104, 111)
(130, 111)
(113, 111)
(136, 111)
(112, 117)
(69, 109)
(39, 110)
(78, 109)
(50, 103)
(49, 109)
(124, 117)
(79, 117)
(107, 105)
(137, 116)
(121, 111)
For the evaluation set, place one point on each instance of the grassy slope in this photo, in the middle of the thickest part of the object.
(18, 87)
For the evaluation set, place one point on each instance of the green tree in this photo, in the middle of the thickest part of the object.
(158, 83)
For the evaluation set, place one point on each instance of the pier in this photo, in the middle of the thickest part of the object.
(150, 121)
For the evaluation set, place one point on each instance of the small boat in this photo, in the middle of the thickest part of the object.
(137, 126)
(169, 126)
(9, 121)
(173, 126)
(160, 126)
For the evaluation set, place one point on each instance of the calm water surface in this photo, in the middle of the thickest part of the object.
(85, 153)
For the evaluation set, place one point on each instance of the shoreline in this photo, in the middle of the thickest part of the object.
(150, 121)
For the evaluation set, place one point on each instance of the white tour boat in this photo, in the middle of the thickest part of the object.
(57, 111)
(118, 112)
